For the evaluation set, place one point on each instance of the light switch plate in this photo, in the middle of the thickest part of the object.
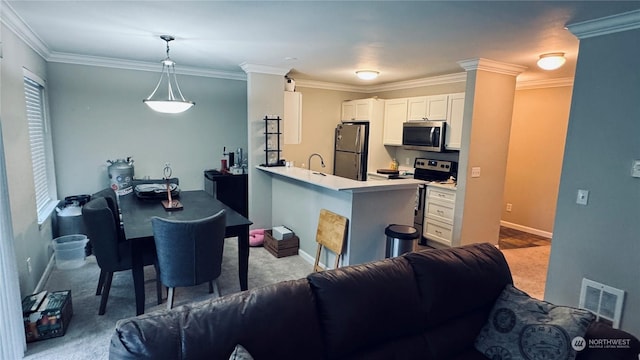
(475, 171)
(635, 169)
(583, 197)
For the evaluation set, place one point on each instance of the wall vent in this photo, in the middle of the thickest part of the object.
(602, 300)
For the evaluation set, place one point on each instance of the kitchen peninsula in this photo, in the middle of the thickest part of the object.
(299, 194)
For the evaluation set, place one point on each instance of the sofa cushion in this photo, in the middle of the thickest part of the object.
(520, 327)
(458, 287)
(455, 281)
(273, 322)
(365, 306)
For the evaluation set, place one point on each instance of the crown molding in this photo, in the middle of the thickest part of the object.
(430, 81)
(606, 25)
(399, 85)
(76, 59)
(324, 85)
(492, 66)
(263, 69)
(18, 26)
(543, 84)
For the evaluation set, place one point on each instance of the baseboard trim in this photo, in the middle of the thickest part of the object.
(45, 275)
(308, 258)
(526, 229)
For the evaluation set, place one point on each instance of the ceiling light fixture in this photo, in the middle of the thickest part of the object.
(551, 61)
(367, 74)
(168, 104)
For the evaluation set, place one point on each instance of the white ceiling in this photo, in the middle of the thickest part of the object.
(319, 40)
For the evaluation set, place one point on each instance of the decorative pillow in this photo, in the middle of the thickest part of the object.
(240, 353)
(520, 327)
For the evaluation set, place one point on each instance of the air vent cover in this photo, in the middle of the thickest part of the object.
(602, 300)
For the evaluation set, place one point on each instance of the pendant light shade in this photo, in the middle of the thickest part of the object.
(167, 102)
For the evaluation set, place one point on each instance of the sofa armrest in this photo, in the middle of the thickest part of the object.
(606, 343)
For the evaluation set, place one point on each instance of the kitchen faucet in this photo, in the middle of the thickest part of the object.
(315, 154)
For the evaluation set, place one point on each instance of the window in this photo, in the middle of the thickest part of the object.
(40, 142)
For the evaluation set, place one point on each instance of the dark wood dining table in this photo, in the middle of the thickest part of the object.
(136, 218)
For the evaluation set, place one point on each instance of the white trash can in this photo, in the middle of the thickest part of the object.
(69, 251)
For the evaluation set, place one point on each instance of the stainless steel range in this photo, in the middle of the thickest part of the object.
(429, 170)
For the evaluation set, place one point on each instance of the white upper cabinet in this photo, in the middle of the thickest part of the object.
(292, 117)
(357, 110)
(427, 108)
(395, 113)
(455, 113)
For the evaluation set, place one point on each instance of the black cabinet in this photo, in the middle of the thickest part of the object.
(232, 190)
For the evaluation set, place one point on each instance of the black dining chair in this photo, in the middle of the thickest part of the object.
(189, 252)
(111, 253)
(112, 201)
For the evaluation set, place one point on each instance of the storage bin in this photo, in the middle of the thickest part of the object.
(69, 251)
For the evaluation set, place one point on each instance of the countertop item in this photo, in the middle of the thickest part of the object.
(338, 183)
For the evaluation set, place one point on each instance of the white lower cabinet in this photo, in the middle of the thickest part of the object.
(438, 231)
(438, 215)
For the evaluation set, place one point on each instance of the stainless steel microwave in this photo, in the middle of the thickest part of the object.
(423, 135)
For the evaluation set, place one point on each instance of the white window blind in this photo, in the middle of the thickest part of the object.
(39, 137)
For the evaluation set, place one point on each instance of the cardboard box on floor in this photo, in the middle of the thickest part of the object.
(46, 315)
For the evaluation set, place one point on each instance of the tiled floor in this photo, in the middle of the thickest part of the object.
(513, 239)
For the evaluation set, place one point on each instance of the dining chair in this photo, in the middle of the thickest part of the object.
(111, 253)
(112, 201)
(330, 234)
(189, 252)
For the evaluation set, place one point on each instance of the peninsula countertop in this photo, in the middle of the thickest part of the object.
(338, 183)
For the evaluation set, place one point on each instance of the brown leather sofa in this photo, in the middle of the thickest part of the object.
(424, 305)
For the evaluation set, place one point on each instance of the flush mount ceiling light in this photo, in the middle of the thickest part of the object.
(551, 61)
(168, 103)
(367, 74)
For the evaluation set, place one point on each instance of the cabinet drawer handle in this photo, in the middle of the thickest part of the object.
(438, 232)
(440, 212)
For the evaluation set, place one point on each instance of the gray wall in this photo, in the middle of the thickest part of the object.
(31, 240)
(98, 115)
(600, 241)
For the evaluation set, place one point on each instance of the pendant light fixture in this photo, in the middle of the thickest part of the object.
(168, 103)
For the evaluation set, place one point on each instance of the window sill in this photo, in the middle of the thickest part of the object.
(45, 214)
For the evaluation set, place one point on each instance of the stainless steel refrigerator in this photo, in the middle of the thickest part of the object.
(350, 155)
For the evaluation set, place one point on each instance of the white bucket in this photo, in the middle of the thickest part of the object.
(69, 251)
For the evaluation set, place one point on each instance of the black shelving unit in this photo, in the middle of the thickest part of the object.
(272, 141)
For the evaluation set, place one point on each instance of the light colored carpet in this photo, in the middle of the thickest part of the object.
(89, 334)
(529, 268)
